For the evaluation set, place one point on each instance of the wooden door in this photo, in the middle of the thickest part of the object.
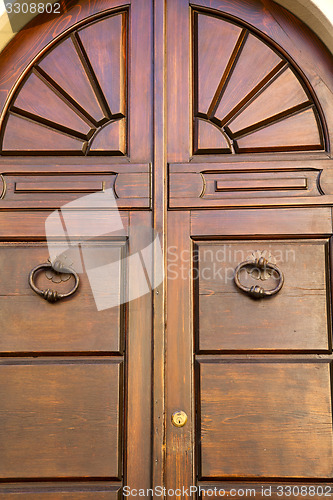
(210, 122)
(249, 194)
(75, 377)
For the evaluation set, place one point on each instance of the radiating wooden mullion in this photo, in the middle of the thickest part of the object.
(91, 74)
(271, 120)
(49, 124)
(66, 98)
(261, 86)
(227, 73)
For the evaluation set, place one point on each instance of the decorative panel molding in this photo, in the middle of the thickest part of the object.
(247, 97)
(73, 100)
(274, 183)
(51, 186)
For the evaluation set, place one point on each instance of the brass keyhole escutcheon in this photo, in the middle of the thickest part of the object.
(179, 418)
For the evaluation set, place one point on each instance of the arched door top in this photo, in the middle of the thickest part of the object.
(248, 97)
(72, 100)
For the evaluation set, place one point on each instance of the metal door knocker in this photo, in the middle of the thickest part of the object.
(48, 294)
(256, 291)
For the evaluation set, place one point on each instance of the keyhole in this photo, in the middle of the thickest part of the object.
(179, 418)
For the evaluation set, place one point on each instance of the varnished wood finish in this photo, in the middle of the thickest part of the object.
(285, 32)
(300, 221)
(32, 227)
(31, 186)
(226, 103)
(62, 72)
(296, 318)
(75, 74)
(56, 329)
(259, 86)
(246, 406)
(72, 418)
(160, 201)
(81, 382)
(262, 184)
(139, 362)
(179, 380)
(178, 101)
(246, 78)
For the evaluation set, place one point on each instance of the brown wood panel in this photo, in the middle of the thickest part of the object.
(298, 132)
(139, 360)
(159, 208)
(179, 361)
(38, 99)
(112, 137)
(38, 188)
(291, 182)
(284, 30)
(284, 221)
(253, 184)
(185, 185)
(178, 95)
(261, 96)
(279, 96)
(297, 318)
(208, 138)
(60, 419)
(255, 62)
(85, 74)
(77, 72)
(140, 85)
(51, 186)
(32, 225)
(57, 82)
(73, 325)
(65, 69)
(210, 164)
(133, 186)
(105, 45)
(210, 34)
(246, 188)
(266, 419)
(98, 165)
(46, 185)
(43, 30)
(24, 135)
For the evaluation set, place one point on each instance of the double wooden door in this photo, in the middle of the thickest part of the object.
(190, 139)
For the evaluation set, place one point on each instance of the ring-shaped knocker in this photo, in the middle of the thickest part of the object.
(52, 295)
(257, 291)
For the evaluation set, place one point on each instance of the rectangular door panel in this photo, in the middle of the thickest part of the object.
(265, 419)
(72, 324)
(244, 184)
(61, 418)
(296, 318)
(52, 186)
(279, 221)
